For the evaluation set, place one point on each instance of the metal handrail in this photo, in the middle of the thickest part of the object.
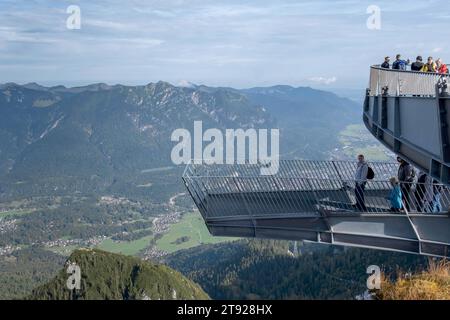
(293, 169)
(231, 195)
(394, 82)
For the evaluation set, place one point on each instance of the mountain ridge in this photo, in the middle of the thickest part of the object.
(97, 135)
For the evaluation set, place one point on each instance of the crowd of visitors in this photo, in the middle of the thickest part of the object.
(408, 192)
(419, 66)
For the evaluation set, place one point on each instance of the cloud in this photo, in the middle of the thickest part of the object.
(15, 35)
(223, 42)
(108, 24)
(138, 41)
(156, 12)
(323, 80)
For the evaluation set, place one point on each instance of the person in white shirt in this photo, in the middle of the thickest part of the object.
(360, 182)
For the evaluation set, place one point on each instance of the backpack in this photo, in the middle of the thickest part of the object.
(422, 179)
(370, 173)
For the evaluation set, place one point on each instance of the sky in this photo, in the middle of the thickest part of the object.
(237, 43)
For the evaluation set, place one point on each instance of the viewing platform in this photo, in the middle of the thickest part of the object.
(312, 201)
(409, 113)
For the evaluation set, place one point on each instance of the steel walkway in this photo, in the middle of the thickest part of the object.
(312, 201)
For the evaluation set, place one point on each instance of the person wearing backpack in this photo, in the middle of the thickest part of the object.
(406, 175)
(362, 169)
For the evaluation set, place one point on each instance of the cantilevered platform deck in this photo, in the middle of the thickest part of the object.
(312, 200)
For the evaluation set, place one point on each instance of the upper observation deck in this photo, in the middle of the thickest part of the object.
(313, 201)
(408, 112)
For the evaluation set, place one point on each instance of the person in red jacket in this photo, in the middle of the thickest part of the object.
(441, 67)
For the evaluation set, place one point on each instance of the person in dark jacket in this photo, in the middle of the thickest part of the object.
(385, 64)
(400, 64)
(418, 65)
(406, 175)
(424, 193)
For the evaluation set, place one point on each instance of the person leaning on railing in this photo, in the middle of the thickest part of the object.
(430, 66)
(418, 65)
(385, 64)
(400, 64)
(441, 67)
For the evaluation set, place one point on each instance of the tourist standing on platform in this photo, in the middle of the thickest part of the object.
(362, 168)
(400, 64)
(424, 193)
(418, 65)
(436, 202)
(395, 197)
(430, 66)
(385, 64)
(406, 175)
(441, 67)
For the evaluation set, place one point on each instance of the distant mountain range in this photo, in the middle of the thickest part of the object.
(310, 119)
(92, 137)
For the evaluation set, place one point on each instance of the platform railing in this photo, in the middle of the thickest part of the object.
(321, 169)
(403, 83)
(240, 192)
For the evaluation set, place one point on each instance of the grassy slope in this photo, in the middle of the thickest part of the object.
(14, 213)
(191, 226)
(126, 247)
(359, 141)
(433, 284)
